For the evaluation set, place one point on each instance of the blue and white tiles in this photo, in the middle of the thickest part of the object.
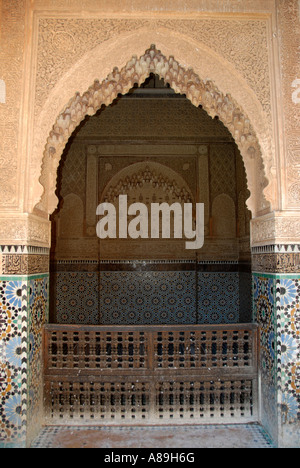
(276, 300)
(288, 357)
(23, 310)
(13, 297)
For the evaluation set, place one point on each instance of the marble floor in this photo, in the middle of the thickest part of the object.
(192, 437)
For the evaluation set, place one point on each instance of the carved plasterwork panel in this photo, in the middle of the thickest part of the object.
(71, 217)
(148, 183)
(244, 43)
(276, 263)
(12, 18)
(149, 173)
(157, 119)
(74, 171)
(275, 228)
(224, 217)
(184, 164)
(23, 260)
(222, 165)
(183, 82)
(24, 264)
(289, 37)
(25, 230)
(280, 258)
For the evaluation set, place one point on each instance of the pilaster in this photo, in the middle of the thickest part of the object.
(24, 282)
(276, 299)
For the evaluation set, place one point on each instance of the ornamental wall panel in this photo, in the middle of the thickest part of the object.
(240, 60)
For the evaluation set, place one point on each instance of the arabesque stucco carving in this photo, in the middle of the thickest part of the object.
(183, 81)
(53, 48)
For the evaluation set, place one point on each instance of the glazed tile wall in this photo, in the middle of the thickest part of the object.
(13, 310)
(150, 297)
(38, 297)
(288, 358)
(276, 300)
(147, 297)
(218, 297)
(76, 297)
(23, 310)
(264, 300)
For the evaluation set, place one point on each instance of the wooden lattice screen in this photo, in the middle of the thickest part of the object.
(151, 374)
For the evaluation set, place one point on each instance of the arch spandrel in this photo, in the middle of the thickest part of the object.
(183, 79)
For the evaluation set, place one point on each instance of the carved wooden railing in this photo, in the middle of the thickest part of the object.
(150, 374)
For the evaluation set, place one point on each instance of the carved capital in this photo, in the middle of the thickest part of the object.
(24, 229)
(276, 228)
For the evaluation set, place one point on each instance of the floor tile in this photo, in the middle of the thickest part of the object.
(206, 436)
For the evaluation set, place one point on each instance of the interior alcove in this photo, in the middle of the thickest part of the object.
(155, 146)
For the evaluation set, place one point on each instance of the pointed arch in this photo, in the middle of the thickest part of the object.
(182, 80)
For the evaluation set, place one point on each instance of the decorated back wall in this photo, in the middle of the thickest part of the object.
(139, 293)
(152, 146)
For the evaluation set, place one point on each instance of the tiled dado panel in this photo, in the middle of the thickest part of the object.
(288, 357)
(218, 297)
(13, 360)
(38, 297)
(147, 297)
(264, 305)
(75, 297)
(23, 312)
(276, 300)
(118, 296)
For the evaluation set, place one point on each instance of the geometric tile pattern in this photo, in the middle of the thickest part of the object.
(277, 302)
(151, 297)
(218, 298)
(288, 356)
(23, 302)
(12, 324)
(147, 297)
(264, 298)
(77, 297)
(38, 298)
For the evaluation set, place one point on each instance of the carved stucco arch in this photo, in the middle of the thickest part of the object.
(183, 80)
(137, 174)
